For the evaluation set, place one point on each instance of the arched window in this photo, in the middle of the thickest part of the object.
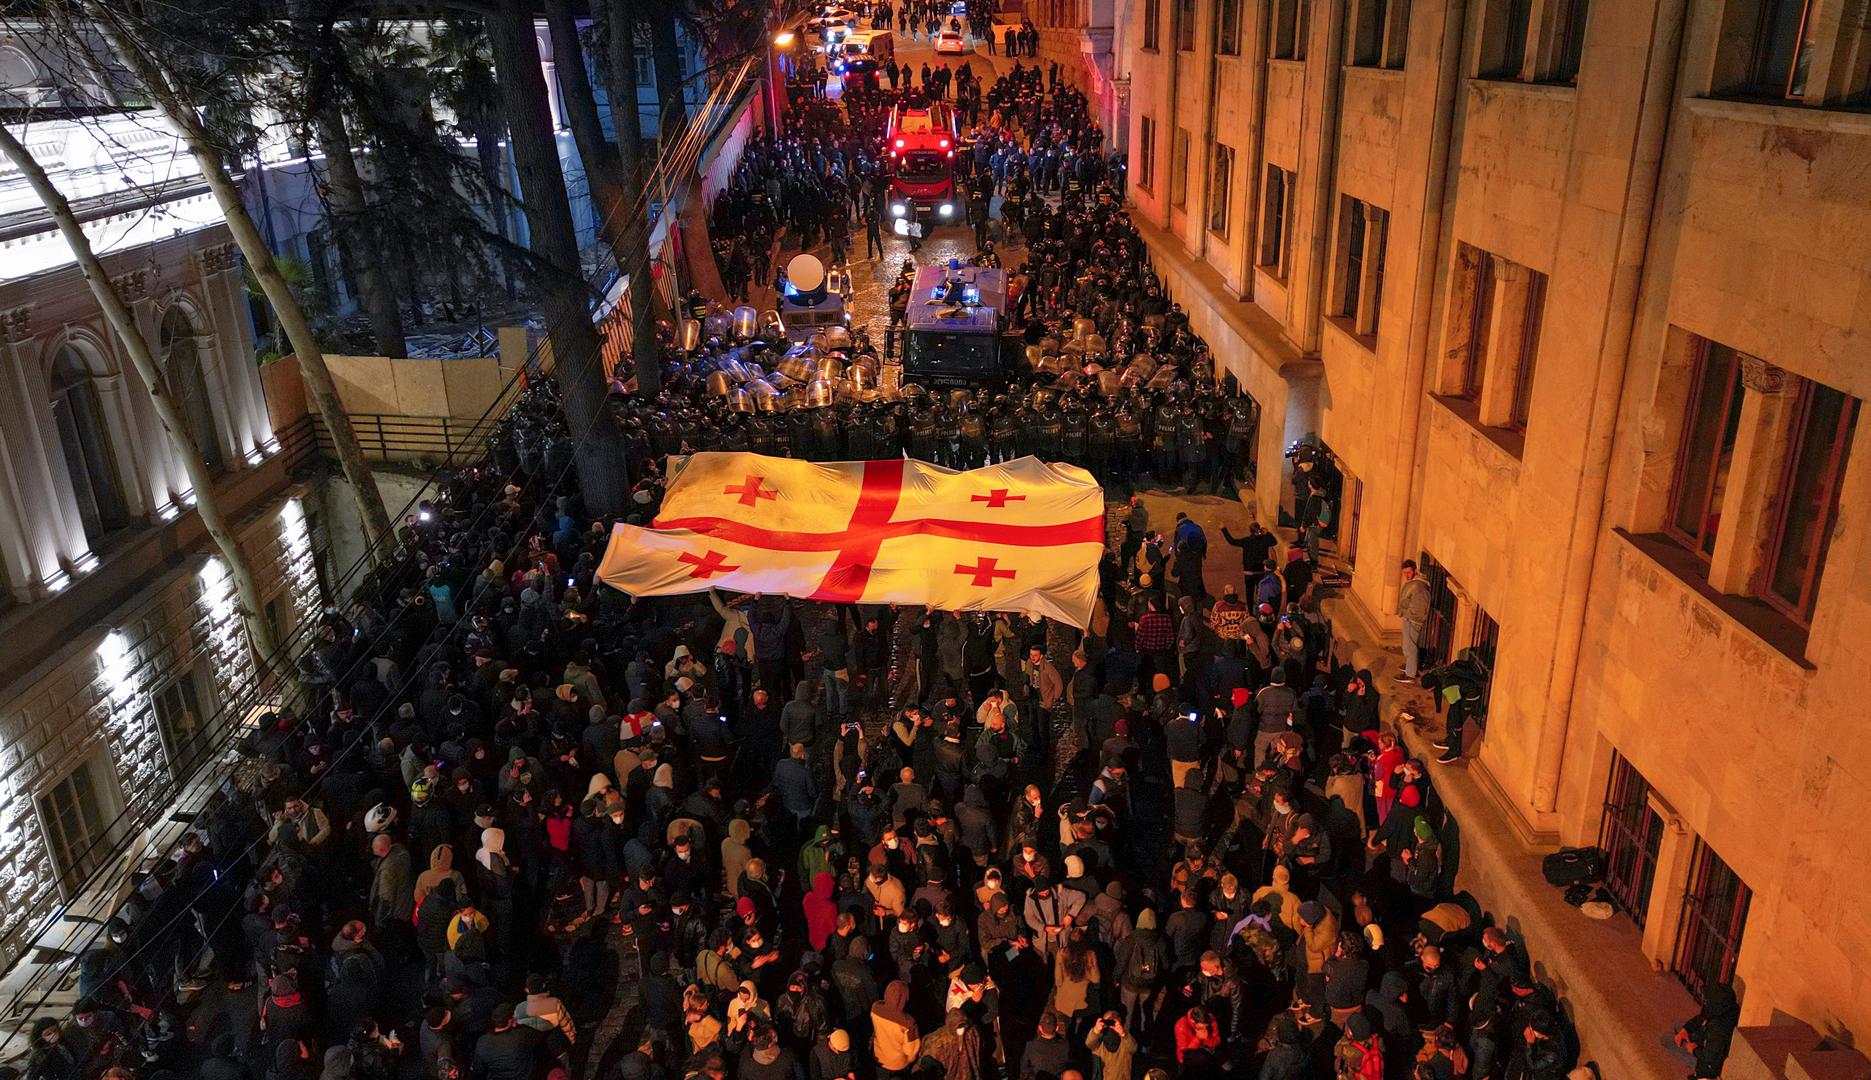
(84, 436)
(181, 364)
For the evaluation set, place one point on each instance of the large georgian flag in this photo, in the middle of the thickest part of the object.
(1023, 536)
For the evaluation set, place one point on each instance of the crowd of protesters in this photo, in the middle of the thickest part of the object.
(766, 839)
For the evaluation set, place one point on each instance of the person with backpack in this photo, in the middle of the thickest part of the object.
(1142, 960)
(1359, 1053)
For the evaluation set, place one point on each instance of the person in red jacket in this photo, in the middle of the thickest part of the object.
(821, 910)
(1197, 1036)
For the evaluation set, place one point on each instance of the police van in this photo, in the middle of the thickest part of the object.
(866, 50)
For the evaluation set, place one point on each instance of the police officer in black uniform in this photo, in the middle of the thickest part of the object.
(799, 434)
(1100, 439)
(828, 433)
(1004, 433)
(1051, 425)
(973, 437)
(1191, 445)
(1240, 438)
(948, 436)
(1163, 441)
(1072, 433)
(922, 434)
(1129, 440)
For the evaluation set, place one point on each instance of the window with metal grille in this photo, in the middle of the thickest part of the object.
(1630, 836)
(1482, 644)
(1439, 628)
(1715, 913)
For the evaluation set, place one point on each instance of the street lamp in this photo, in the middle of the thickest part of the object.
(784, 39)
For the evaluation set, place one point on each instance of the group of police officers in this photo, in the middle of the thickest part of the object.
(1192, 438)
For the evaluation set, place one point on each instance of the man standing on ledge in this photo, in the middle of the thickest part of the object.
(1413, 609)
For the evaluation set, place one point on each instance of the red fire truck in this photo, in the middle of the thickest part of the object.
(922, 143)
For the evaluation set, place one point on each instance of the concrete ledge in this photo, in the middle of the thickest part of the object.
(1625, 1011)
(1789, 1049)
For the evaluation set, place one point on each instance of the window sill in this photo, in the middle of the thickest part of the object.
(1513, 442)
(1287, 61)
(1367, 342)
(1375, 71)
(1845, 119)
(1757, 617)
(1514, 85)
(1218, 235)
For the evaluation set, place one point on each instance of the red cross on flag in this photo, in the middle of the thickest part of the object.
(1023, 536)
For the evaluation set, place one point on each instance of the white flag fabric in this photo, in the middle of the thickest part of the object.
(1022, 536)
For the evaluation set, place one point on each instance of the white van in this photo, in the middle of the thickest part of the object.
(867, 50)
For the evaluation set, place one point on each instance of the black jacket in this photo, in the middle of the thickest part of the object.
(506, 1055)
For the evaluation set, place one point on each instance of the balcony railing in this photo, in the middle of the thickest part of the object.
(384, 437)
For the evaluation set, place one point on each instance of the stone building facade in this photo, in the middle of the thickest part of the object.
(125, 653)
(1576, 294)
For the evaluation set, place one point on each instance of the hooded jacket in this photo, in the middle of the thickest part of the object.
(441, 868)
(1281, 897)
(735, 854)
(895, 1041)
(1319, 942)
(1142, 958)
(821, 909)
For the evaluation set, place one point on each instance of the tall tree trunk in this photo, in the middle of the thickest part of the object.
(622, 222)
(181, 113)
(666, 49)
(149, 373)
(581, 114)
(627, 118)
(317, 44)
(626, 112)
(598, 442)
(356, 244)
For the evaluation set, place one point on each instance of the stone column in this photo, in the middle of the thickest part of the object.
(114, 401)
(1507, 329)
(245, 402)
(1458, 321)
(221, 402)
(1375, 221)
(49, 534)
(164, 472)
(153, 470)
(25, 557)
(1675, 855)
(1768, 396)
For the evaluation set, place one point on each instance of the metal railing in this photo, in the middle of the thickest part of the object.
(385, 437)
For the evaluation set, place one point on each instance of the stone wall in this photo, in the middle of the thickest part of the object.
(1657, 217)
(93, 701)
